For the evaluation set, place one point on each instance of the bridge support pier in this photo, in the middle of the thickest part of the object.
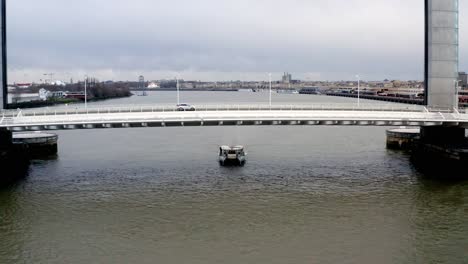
(6, 139)
(38, 145)
(442, 152)
(402, 138)
(13, 163)
(16, 151)
(454, 136)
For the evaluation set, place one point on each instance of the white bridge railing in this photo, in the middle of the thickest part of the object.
(399, 114)
(74, 110)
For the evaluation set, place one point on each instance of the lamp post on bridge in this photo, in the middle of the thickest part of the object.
(86, 92)
(359, 90)
(270, 90)
(178, 92)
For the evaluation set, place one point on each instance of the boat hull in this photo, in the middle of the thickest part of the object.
(232, 162)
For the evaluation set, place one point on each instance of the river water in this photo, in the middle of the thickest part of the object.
(306, 195)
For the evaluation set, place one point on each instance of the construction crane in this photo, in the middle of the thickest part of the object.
(51, 76)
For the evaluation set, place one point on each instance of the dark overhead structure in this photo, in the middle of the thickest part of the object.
(3, 62)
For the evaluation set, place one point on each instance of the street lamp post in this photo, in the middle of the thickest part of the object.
(178, 92)
(270, 90)
(358, 90)
(86, 92)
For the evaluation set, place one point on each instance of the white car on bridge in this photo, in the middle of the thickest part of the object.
(185, 107)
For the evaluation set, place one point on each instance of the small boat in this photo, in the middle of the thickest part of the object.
(287, 91)
(246, 90)
(232, 156)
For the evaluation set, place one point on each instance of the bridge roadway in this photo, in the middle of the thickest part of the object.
(146, 116)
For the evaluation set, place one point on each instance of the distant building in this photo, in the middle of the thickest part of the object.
(153, 85)
(141, 82)
(287, 78)
(73, 95)
(58, 83)
(23, 85)
(58, 94)
(463, 77)
(45, 94)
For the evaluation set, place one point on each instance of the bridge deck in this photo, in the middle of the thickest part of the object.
(88, 118)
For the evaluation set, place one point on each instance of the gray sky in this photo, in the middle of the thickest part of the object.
(220, 39)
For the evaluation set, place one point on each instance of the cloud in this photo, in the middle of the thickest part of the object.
(218, 39)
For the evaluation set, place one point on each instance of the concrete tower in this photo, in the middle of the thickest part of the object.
(441, 65)
(141, 82)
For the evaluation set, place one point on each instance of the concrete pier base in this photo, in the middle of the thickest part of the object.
(440, 152)
(443, 135)
(16, 151)
(37, 145)
(13, 161)
(443, 151)
(403, 138)
(6, 139)
(439, 162)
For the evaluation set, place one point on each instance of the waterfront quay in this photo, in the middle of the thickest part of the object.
(379, 98)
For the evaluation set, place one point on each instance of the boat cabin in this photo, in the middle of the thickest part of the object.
(232, 155)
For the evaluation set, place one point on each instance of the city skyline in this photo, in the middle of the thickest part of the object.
(324, 40)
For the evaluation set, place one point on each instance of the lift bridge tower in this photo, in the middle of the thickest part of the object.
(3, 57)
(441, 53)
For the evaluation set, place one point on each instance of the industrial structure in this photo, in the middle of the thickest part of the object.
(3, 57)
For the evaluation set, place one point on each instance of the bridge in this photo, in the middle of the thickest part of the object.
(440, 120)
(230, 115)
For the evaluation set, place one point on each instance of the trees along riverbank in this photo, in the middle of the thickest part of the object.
(95, 91)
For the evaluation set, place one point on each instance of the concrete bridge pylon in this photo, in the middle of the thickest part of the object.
(441, 53)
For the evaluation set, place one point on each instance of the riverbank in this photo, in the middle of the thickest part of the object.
(379, 98)
(50, 95)
(185, 90)
(60, 101)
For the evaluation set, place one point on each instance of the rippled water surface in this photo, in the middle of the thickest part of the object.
(307, 195)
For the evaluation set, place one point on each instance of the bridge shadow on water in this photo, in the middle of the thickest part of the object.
(441, 171)
(16, 169)
(13, 173)
(433, 168)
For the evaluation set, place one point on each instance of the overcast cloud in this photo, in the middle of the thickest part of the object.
(220, 39)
